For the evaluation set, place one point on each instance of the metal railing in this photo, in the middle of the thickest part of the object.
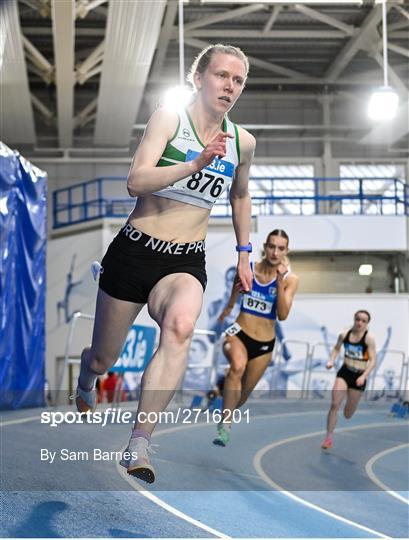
(399, 375)
(69, 358)
(304, 362)
(280, 371)
(107, 198)
(317, 366)
(210, 367)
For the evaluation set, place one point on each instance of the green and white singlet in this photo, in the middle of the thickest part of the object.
(206, 186)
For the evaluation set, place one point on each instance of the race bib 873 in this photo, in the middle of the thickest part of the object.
(256, 305)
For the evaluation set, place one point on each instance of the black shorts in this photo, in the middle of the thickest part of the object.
(350, 376)
(135, 262)
(254, 347)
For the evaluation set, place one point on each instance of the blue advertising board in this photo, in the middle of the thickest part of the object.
(137, 350)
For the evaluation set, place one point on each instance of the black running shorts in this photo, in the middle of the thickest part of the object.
(135, 262)
(350, 376)
(254, 347)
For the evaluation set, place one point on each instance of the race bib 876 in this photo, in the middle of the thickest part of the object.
(210, 182)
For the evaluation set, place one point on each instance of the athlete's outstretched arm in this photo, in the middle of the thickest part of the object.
(241, 207)
(145, 177)
(335, 351)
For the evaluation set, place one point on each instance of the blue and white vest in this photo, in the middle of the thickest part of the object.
(262, 300)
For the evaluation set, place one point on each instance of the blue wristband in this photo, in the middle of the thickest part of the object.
(248, 248)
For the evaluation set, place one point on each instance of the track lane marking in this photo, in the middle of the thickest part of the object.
(375, 479)
(169, 508)
(257, 465)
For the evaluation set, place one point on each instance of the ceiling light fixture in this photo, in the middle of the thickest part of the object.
(177, 97)
(384, 101)
(365, 269)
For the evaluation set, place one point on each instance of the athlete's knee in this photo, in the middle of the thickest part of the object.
(237, 369)
(98, 363)
(335, 406)
(180, 326)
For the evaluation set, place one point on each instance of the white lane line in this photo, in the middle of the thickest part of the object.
(19, 421)
(375, 479)
(257, 464)
(171, 509)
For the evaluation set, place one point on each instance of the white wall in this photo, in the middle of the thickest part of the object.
(87, 246)
(335, 312)
(339, 233)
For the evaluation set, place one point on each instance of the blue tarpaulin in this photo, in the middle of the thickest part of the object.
(23, 237)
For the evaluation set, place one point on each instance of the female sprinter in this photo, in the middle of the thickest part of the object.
(250, 340)
(183, 164)
(359, 361)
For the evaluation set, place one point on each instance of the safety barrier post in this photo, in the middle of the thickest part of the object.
(328, 348)
(401, 376)
(67, 359)
(211, 367)
(278, 363)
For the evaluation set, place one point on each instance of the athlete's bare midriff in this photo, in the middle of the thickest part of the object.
(257, 327)
(359, 365)
(169, 220)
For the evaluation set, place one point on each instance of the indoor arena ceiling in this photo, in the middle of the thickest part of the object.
(88, 73)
